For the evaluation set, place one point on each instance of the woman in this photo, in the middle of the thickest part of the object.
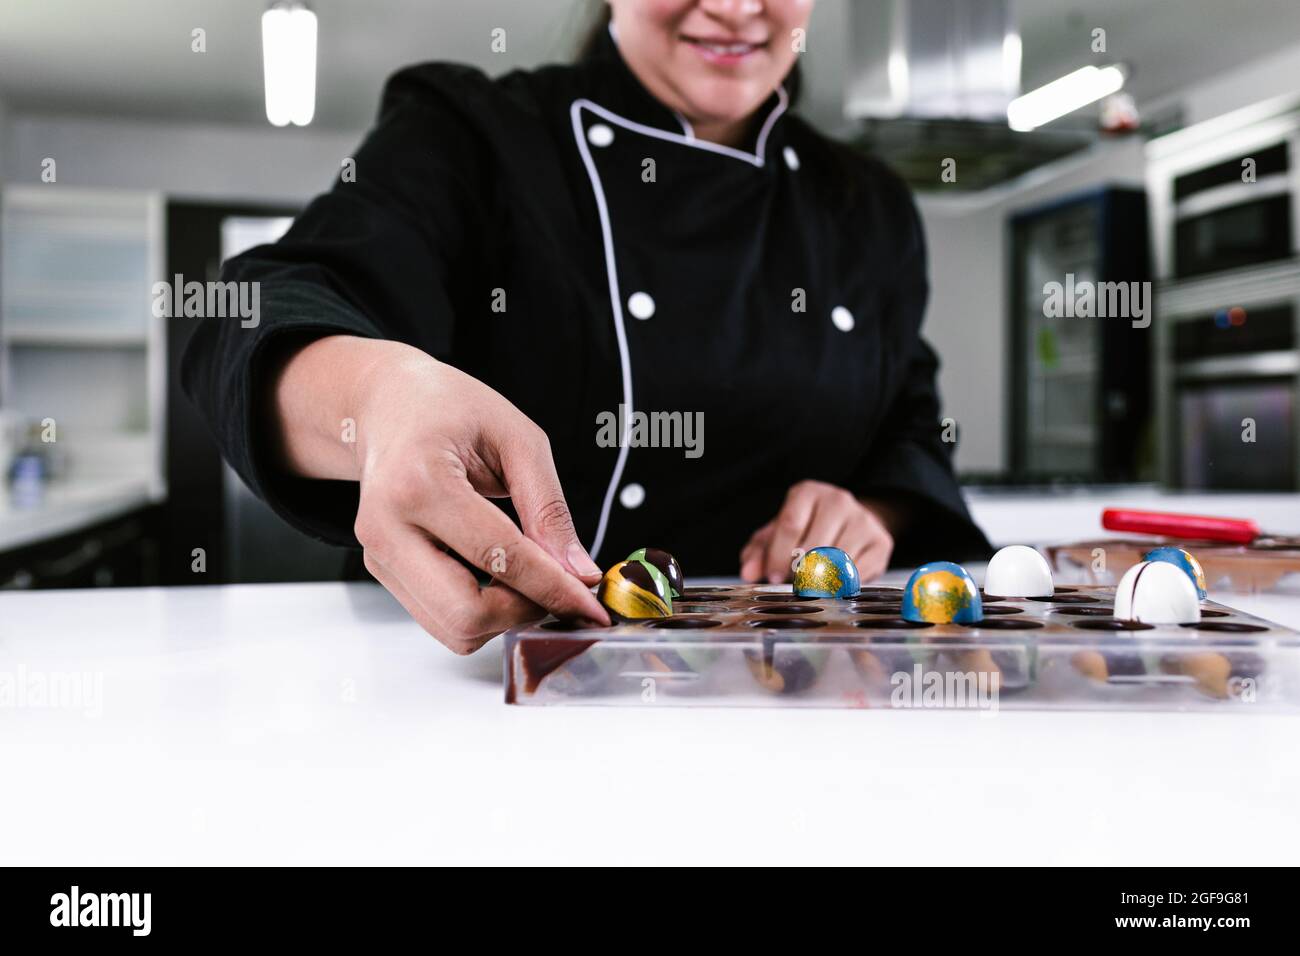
(521, 261)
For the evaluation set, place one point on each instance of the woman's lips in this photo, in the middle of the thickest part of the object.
(724, 52)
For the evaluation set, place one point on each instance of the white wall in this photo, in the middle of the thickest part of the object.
(969, 262)
(967, 317)
(185, 161)
(969, 256)
(4, 137)
(1255, 81)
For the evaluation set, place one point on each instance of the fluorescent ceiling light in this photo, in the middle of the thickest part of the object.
(1071, 92)
(1011, 55)
(289, 63)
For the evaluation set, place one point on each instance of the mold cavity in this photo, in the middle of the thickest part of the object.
(1000, 624)
(1231, 627)
(872, 607)
(683, 623)
(786, 609)
(569, 626)
(1111, 624)
(892, 624)
(787, 623)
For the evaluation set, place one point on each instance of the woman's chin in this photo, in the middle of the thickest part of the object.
(726, 105)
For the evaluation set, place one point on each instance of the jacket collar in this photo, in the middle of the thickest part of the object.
(618, 90)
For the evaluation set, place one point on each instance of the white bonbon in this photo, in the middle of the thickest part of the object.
(1156, 592)
(1018, 571)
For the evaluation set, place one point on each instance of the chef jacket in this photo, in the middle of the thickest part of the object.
(564, 237)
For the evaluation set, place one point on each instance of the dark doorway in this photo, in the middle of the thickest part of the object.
(207, 505)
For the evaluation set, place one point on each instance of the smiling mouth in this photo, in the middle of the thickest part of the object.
(724, 49)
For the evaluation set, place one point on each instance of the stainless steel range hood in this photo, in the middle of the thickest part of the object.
(930, 80)
(934, 59)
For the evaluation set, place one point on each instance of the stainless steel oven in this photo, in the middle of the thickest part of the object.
(1224, 221)
(1224, 200)
(1235, 399)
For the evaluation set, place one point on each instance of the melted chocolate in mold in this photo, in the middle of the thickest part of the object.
(892, 624)
(786, 623)
(783, 598)
(1111, 624)
(538, 658)
(877, 607)
(570, 626)
(786, 609)
(791, 674)
(1231, 627)
(683, 623)
(1124, 665)
(996, 609)
(1067, 599)
(1002, 624)
(1083, 611)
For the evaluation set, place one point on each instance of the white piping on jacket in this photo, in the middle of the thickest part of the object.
(757, 159)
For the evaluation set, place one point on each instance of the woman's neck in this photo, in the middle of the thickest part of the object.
(723, 132)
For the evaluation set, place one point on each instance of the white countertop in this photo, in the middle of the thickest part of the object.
(317, 724)
(66, 506)
(1058, 515)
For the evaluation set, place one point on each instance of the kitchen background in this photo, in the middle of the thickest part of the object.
(128, 155)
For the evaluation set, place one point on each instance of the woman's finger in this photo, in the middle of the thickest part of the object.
(529, 471)
(830, 522)
(459, 612)
(753, 553)
(484, 536)
(872, 555)
(417, 610)
(790, 526)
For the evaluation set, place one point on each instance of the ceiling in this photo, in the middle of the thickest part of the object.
(1168, 44)
(133, 58)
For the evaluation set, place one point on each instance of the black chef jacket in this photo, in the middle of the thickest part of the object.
(562, 236)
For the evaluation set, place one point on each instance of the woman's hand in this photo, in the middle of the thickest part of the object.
(816, 514)
(431, 445)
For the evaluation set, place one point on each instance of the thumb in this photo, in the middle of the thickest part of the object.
(534, 487)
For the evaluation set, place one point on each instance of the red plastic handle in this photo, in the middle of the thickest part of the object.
(1236, 530)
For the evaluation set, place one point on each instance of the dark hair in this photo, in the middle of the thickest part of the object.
(594, 34)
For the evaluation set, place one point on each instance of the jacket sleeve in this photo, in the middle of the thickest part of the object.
(909, 459)
(372, 257)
